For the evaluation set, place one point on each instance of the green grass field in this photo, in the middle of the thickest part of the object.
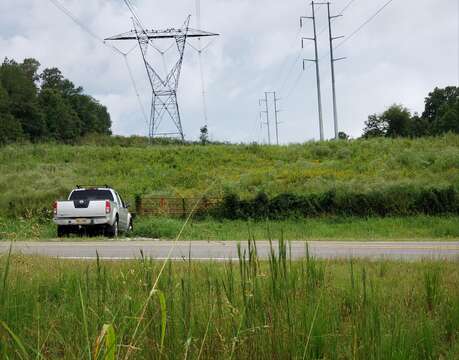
(249, 309)
(32, 176)
(430, 228)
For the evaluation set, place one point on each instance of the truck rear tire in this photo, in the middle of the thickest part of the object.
(61, 231)
(112, 230)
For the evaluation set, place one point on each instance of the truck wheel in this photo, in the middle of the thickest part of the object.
(61, 231)
(112, 230)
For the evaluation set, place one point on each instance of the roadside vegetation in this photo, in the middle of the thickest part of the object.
(361, 189)
(398, 174)
(33, 176)
(238, 310)
(431, 228)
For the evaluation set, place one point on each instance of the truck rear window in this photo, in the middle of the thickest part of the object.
(91, 194)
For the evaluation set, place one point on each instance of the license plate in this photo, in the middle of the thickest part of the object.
(81, 221)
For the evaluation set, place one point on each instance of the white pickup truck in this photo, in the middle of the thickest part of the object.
(92, 209)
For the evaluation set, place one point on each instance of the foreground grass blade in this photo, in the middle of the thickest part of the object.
(162, 302)
(108, 334)
(23, 353)
(5, 274)
(85, 324)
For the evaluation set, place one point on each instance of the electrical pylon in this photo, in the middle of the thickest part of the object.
(164, 102)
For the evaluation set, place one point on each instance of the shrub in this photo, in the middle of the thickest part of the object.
(392, 201)
(229, 208)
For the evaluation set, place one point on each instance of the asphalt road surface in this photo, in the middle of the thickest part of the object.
(225, 250)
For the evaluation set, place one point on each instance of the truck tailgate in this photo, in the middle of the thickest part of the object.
(79, 209)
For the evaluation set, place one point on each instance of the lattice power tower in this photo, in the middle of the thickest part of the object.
(164, 103)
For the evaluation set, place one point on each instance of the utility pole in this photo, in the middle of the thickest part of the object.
(276, 112)
(201, 69)
(332, 62)
(316, 61)
(265, 100)
(266, 111)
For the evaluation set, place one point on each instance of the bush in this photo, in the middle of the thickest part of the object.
(392, 201)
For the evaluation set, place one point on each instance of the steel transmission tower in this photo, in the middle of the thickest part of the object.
(276, 116)
(332, 64)
(276, 112)
(164, 103)
(266, 111)
(316, 61)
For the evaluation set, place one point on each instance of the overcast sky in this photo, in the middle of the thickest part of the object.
(407, 50)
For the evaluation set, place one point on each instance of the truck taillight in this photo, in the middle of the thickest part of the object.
(55, 208)
(108, 207)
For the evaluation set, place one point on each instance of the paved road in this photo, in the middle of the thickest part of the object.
(224, 250)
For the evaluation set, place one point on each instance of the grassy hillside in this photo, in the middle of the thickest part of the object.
(32, 176)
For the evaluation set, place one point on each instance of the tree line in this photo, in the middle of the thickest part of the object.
(440, 115)
(45, 106)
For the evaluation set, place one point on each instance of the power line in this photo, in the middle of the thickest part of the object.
(298, 78)
(69, 14)
(286, 60)
(316, 62)
(295, 84)
(131, 9)
(356, 31)
(266, 111)
(293, 64)
(321, 31)
(134, 85)
(297, 59)
(346, 7)
(332, 64)
(142, 27)
(201, 67)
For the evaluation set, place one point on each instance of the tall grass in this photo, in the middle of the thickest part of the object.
(32, 176)
(325, 228)
(246, 309)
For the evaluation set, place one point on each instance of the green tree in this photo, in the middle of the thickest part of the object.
(104, 122)
(52, 78)
(61, 120)
(394, 122)
(398, 120)
(10, 127)
(30, 67)
(47, 105)
(449, 120)
(439, 101)
(419, 126)
(94, 117)
(374, 127)
(18, 82)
